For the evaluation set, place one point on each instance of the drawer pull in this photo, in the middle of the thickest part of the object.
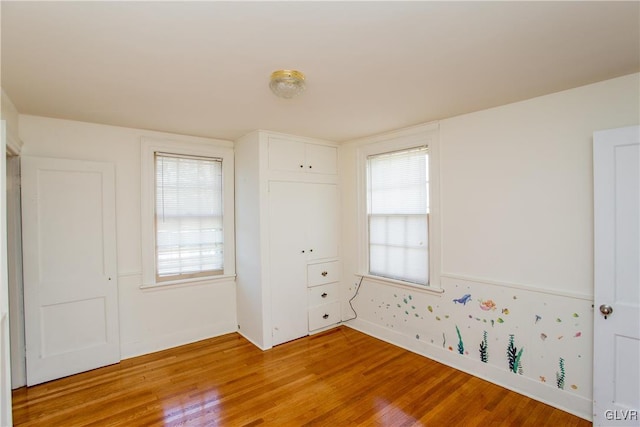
(324, 295)
(324, 273)
(301, 166)
(326, 316)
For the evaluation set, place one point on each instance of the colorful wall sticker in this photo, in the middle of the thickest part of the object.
(513, 356)
(560, 375)
(487, 305)
(484, 354)
(460, 343)
(463, 299)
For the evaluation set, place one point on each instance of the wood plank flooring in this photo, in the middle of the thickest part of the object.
(339, 378)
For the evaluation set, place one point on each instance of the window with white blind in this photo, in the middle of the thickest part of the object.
(187, 211)
(398, 215)
(188, 217)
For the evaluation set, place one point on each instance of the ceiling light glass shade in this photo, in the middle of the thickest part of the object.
(287, 83)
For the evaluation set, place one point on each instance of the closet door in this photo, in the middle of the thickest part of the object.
(321, 204)
(287, 260)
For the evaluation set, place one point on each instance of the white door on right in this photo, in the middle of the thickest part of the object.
(616, 361)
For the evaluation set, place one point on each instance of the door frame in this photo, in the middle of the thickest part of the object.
(16, 285)
(5, 350)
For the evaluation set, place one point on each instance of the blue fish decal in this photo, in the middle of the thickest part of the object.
(463, 299)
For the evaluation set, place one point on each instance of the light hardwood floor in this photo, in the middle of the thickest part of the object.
(338, 378)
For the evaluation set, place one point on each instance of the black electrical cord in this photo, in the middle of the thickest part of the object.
(354, 297)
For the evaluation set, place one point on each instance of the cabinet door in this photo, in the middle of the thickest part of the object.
(321, 159)
(287, 241)
(294, 156)
(321, 201)
(286, 155)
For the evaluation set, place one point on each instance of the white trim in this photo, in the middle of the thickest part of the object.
(571, 403)
(396, 134)
(14, 146)
(5, 340)
(213, 148)
(176, 339)
(16, 282)
(246, 337)
(402, 284)
(185, 282)
(575, 295)
(125, 274)
(427, 134)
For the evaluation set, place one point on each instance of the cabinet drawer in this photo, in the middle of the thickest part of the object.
(323, 294)
(324, 315)
(326, 272)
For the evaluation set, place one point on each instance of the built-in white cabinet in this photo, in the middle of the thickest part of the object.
(287, 226)
(323, 294)
(293, 155)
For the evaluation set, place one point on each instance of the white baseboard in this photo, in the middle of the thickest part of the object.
(129, 350)
(560, 399)
(252, 341)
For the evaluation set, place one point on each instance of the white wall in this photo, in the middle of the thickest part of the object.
(150, 319)
(517, 230)
(517, 198)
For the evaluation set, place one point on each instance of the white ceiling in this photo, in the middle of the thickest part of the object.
(202, 68)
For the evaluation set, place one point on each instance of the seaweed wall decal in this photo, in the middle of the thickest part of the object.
(460, 343)
(518, 364)
(514, 356)
(560, 375)
(484, 355)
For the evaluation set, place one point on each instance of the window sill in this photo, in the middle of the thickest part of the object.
(405, 285)
(187, 282)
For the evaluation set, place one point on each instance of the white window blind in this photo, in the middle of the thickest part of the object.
(397, 209)
(189, 233)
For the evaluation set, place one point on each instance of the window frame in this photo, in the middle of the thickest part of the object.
(404, 139)
(209, 149)
(371, 160)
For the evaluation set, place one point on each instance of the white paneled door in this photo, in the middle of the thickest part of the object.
(616, 379)
(288, 251)
(70, 272)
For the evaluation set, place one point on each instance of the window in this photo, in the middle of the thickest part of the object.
(187, 212)
(399, 209)
(397, 213)
(188, 217)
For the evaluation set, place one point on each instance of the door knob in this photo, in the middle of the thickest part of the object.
(606, 310)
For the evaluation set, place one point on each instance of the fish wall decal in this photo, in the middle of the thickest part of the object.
(463, 299)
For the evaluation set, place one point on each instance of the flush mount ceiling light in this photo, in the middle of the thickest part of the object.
(287, 83)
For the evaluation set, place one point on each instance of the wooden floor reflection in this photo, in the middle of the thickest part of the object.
(338, 378)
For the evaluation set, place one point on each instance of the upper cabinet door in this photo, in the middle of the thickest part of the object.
(286, 155)
(289, 155)
(321, 159)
